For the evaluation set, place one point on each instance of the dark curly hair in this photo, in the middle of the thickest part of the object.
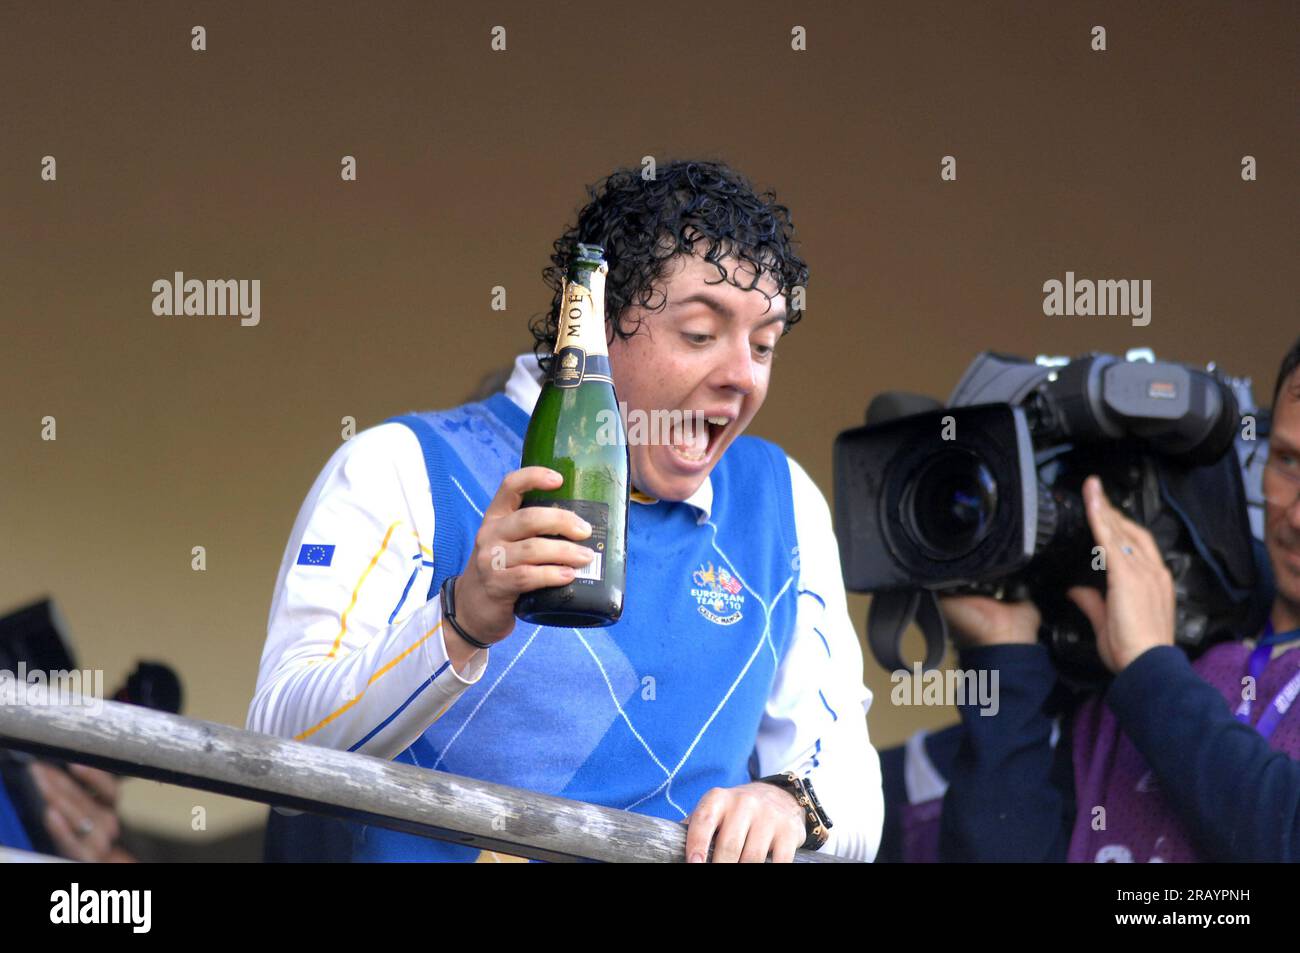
(643, 223)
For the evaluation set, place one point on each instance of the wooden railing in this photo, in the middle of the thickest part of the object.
(130, 740)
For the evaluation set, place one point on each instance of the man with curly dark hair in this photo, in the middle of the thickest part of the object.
(690, 208)
(731, 685)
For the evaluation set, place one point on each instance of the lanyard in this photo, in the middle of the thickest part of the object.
(1283, 700)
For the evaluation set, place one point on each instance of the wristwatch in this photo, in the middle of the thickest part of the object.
(816, 820)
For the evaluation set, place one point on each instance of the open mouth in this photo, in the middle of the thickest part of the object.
(700, 434)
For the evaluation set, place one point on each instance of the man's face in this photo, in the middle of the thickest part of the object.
(1282, 522)
(708, 351)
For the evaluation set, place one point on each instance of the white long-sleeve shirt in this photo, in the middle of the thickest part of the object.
(347, 648)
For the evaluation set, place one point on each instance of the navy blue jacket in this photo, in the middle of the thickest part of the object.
(1011, 794)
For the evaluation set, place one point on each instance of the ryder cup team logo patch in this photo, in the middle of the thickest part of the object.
(719, 594)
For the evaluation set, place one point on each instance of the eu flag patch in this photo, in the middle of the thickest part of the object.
(315, 554)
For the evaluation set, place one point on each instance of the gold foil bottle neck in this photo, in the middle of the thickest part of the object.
(582, 317)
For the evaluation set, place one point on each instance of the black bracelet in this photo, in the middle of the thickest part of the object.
(449, 612)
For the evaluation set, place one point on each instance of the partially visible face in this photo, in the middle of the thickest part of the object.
(709, 350)
(1282, 522)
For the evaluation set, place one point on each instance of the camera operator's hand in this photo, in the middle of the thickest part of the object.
(1138, 611)
(511, 556)
(81, 811)
(976, 621)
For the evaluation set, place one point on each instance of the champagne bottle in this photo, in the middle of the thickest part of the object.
(576, 430)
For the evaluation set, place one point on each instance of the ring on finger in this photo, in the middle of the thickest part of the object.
(85, 827)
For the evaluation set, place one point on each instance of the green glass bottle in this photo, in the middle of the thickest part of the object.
(576, 430)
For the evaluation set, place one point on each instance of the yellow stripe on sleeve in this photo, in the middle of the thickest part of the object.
(373, 678)
(374, 560)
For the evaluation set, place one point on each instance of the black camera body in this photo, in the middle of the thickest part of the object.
(985, 496)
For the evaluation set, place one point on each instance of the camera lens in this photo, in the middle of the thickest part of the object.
(951, 503)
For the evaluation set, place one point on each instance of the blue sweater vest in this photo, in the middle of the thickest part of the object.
(647, 714)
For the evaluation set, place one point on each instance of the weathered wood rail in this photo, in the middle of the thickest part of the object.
(130, 740)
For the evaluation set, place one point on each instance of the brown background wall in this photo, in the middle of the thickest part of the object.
(176, 432)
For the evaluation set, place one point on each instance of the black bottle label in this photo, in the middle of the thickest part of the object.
(597, 514)
(573, 365)
(570, 362)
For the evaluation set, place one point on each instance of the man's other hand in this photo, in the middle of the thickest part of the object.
(745, 824)
(80, 811)
(976, 621)
(1138, 611)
